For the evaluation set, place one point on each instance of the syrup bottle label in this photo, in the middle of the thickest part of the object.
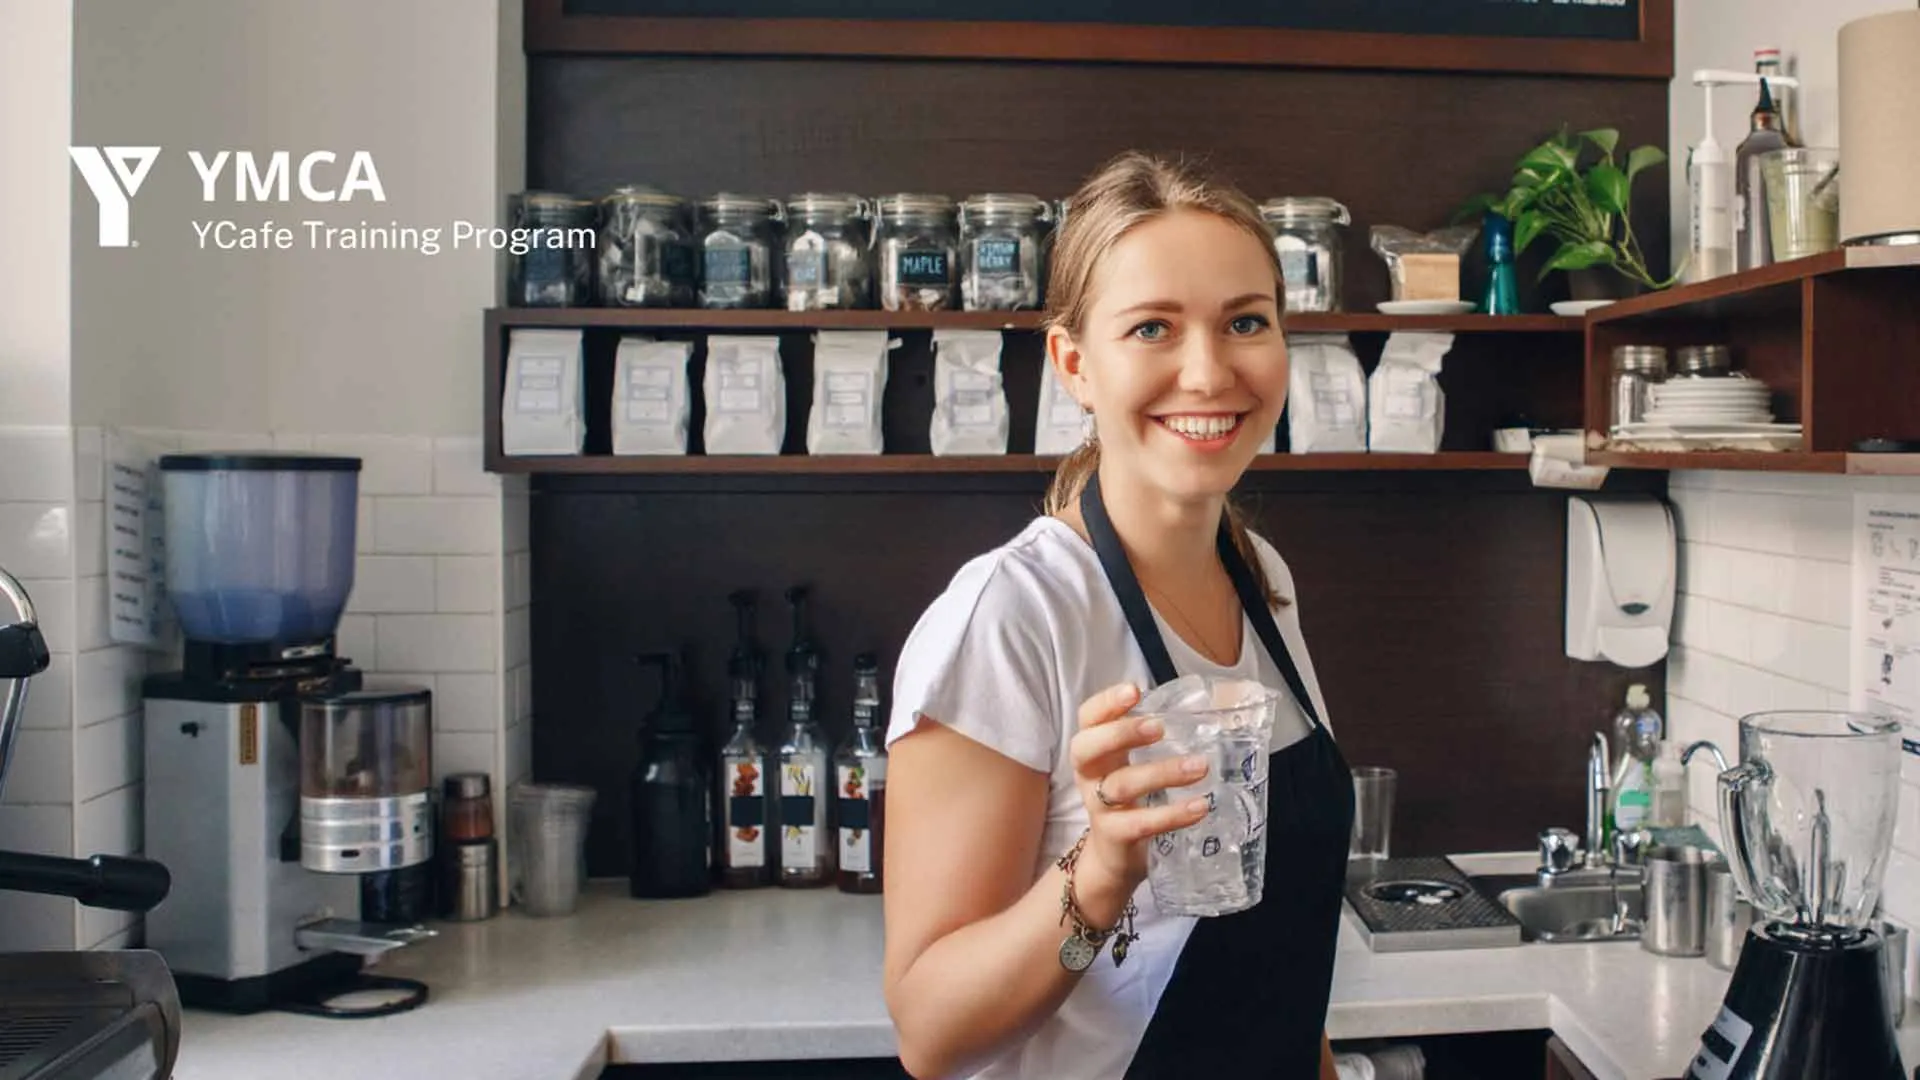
(799, 788)
(856, 814)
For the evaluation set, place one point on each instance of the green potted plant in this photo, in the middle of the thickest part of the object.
(1583, 209)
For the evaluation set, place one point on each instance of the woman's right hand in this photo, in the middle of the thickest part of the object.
(1120, 828)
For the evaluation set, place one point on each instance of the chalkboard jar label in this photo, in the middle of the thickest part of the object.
(997, 257)
(920, 267)
(806, 268)
(729, 266)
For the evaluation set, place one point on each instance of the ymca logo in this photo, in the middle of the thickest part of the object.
(114, 175)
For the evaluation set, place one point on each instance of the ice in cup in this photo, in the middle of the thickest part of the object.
(1218, 865)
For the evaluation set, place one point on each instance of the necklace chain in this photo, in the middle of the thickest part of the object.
(1218, 656)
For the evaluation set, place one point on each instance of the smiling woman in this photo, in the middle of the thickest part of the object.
(1017, 828)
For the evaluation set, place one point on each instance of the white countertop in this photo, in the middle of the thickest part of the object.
(774, 974)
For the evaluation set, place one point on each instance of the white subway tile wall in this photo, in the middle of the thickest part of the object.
(433, 588)
(1763, 622)
(37, 512)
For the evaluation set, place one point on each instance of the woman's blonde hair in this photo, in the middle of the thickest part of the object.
(1126, 192)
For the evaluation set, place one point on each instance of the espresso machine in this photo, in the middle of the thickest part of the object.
(70, 1014)
(1806, 820)
(292, 804)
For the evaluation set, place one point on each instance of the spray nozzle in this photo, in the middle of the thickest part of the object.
(670, 714)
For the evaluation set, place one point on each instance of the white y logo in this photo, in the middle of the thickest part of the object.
(114, 174)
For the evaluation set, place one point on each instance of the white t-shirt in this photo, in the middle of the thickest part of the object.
(1022, 635)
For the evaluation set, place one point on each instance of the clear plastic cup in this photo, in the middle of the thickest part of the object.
(1218, 865)
(547, 836)
(1803, 200)
(1372, 812)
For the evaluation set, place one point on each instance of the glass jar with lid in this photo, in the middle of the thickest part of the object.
(1636, 370)
(829, 252)
(646, 257)
(739, 235)
(550, 274)
(918, 253)
(1002, 247)
(1308, 236)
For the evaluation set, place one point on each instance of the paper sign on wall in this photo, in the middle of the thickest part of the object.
(1886, 608)
(135, 545)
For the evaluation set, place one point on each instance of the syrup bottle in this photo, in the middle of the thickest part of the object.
(746, 852)
(806, 847)
(860, 775)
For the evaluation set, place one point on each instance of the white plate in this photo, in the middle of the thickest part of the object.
(1718, 428)
(1425, 307)
(1577, 307)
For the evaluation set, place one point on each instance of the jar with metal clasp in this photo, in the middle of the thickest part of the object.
(646, 257)
(918, 253)
(1308, 235)
(556, 270)
(739, 235)
(829, 252)
(1002, 251)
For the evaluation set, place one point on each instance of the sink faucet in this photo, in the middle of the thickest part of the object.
(1599, 783)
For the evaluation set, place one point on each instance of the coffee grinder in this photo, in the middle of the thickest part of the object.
(1807, 822)
(282, 794)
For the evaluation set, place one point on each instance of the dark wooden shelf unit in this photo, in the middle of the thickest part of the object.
(850, 464)
(1835, 336)
(727, 320)
(552, 30)
(1500, 367)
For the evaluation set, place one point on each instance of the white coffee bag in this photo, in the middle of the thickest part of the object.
(969, 400)
(746, 396)
(542, 407)
(650, 398)
(849, 381)
(1407, 412)
(1059, 425)
(1326, 396)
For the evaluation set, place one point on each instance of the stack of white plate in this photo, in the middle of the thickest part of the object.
(1689, 401)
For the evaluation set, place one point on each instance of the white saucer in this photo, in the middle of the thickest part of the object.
(1425, 307)
(1577, 307)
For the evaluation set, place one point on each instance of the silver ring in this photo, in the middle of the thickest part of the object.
(1102, 795)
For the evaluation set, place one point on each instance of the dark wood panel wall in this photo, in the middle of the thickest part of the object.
(1433, 602)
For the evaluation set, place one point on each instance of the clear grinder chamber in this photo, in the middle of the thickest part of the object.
(366, 780)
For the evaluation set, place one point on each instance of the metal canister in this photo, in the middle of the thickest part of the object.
(1636, 368)
(1675, 901)
(1728, 917)
(472, 885)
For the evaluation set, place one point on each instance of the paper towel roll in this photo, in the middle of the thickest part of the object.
(1880, 125)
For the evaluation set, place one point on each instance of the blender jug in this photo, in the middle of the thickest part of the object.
(1808, 818)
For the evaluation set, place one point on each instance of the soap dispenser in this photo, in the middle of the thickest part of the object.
(1621, 572)
(669, 795)
(746, 853)
(806, 847)
(860, 776)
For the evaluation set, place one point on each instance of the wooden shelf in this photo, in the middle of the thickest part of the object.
(700, 318)
(884, 464)
(1757, 461)
(1709, 298)
(551, 30)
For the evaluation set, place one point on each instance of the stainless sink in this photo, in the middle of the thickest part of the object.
(1578, 906)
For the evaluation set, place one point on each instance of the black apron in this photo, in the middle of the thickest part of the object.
(1248, 994)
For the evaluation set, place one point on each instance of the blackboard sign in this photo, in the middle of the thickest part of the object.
(1600, 20)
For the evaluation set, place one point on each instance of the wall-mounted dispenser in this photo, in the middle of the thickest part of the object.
(1621, 570)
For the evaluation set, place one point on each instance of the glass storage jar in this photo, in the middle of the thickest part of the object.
(829, 252)
(1002, 242)
(558, 272)
(918, 253)
(1308, 237)
(1636, 369)
(738, 237)
(645, 249)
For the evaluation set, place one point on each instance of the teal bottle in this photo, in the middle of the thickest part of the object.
(1503, 293)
